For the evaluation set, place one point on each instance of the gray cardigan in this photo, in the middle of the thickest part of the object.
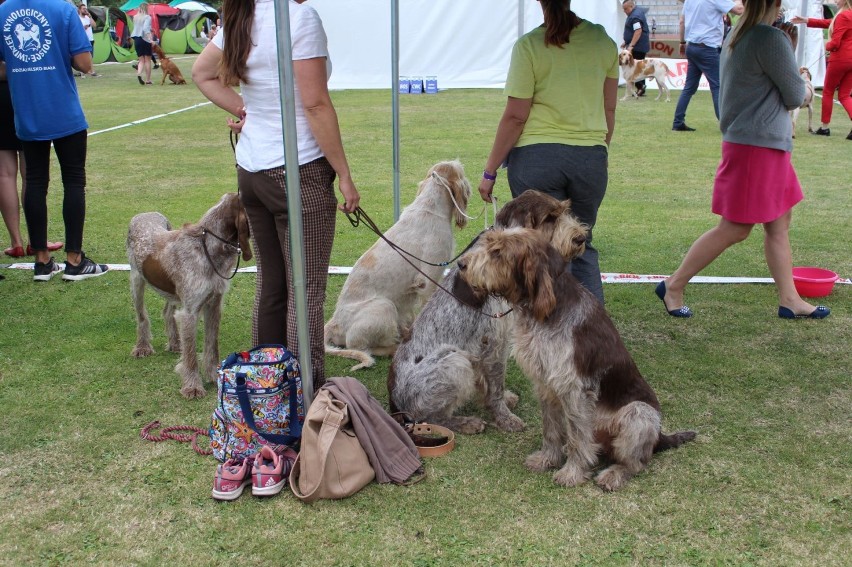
(759, 83)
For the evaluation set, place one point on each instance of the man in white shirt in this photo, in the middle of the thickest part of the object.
(701, 35)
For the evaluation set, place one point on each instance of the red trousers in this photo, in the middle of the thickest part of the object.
(838, 75)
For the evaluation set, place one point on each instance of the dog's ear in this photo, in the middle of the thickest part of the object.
(244, 235)
(534, 268)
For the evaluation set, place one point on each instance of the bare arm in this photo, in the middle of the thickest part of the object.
(610, 96)
(311, 77)
(738, 8)
(682, 28)
(82, 62)
(636, 35)
(509, 129)
(205, 75)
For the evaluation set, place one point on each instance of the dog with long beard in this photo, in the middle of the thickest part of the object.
(594, 401)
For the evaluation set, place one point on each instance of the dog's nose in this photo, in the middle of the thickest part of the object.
(580, 240)
(461, 264)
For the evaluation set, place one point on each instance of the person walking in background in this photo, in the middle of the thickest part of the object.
(838, 72)
(88, 24)
(143, 36)
(48, 111)
(755, 182)
(558, 121)
(636, 36)
(701, 34)
(239, 55)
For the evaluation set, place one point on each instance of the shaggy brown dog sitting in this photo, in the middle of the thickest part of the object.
(594, 401)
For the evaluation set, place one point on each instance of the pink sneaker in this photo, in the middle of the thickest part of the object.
(231, 477)
(271, 469)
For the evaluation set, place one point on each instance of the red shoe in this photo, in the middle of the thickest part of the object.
(231, 477)
(15, 252)
(51, 247)
(271, 470)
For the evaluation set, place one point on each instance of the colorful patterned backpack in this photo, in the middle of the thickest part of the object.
(260, 403)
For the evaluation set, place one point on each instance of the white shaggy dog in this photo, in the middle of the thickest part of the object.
(384, 292)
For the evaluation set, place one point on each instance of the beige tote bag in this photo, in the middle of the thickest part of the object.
(331, 463)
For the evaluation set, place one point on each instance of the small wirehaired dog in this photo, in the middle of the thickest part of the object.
(190, 267)
(593, 399)
(808, 103)
(459, 344)
(384, 292)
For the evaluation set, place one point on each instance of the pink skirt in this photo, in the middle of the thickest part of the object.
(754, 185)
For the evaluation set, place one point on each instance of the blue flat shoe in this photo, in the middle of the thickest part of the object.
(821, 312)
(680, 312)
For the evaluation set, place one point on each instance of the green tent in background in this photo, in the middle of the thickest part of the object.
(177, 29)
(108, 47)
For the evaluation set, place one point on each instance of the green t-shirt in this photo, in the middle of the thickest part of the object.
(565, 84)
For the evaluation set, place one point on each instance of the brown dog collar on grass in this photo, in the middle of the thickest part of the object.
(431, 433)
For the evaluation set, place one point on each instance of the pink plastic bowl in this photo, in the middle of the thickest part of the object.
(813, 282)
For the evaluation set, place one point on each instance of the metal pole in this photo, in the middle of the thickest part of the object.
(395, 104)
(521, 23)
(294, 192)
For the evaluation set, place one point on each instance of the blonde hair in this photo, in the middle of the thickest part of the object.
(840, 9)
(755, 12)
(143, 7)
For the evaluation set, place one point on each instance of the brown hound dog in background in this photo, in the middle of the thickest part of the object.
(170, 69)
(593, 399)
(190, 268)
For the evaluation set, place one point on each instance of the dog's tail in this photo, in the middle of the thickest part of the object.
(665, 442)
(364, 359)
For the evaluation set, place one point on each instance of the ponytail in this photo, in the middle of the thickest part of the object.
(755, 12)
(559, 20)
(237, 21)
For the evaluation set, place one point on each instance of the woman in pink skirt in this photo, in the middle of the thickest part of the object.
(755, 182)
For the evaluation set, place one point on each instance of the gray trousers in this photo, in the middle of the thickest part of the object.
(564, 172)
(264, 197)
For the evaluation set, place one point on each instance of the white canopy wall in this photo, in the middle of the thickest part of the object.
(465, 43)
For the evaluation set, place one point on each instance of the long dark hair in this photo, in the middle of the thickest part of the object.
(559, 20)
(237, 21)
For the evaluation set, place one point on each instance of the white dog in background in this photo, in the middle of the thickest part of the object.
(805, 73)
(383, 293)
(633, 70)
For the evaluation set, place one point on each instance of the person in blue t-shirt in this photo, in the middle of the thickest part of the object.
(636, 36)
(43, 42)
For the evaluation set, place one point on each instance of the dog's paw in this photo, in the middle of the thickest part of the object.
(173, 347)
(141, 351)
(510, 398)
(470, 425)
(613, 478)
(540, 461)
(570, 475)
(192, 391)
(510, 422)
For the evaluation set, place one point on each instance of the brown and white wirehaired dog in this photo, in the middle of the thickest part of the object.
(808, 103)
(593, 399)
(190, 267)
(633, 70)
(169, 68)
(459, 344)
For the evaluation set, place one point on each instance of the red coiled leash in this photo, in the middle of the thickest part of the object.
(169, 433)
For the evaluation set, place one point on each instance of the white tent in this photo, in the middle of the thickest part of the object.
(464, 43)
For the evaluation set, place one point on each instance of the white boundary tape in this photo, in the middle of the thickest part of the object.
(606, 278)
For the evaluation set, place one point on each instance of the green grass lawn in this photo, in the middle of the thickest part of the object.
(767, 482)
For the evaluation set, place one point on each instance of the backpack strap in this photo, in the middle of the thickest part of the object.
(248, 415)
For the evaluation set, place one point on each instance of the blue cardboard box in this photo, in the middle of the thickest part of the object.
(416, 85)
(404, 85)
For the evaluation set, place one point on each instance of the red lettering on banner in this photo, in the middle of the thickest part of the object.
(663, 47)
(628, 277)
(681, 67)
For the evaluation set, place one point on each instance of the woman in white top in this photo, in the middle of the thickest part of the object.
(244, 53)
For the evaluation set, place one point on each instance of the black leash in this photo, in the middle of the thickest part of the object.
(360, 215)
(204, 233)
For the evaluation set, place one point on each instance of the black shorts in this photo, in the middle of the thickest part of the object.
(142, 47)
(8, 139)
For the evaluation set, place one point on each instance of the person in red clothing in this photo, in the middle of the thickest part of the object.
(838, 73)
